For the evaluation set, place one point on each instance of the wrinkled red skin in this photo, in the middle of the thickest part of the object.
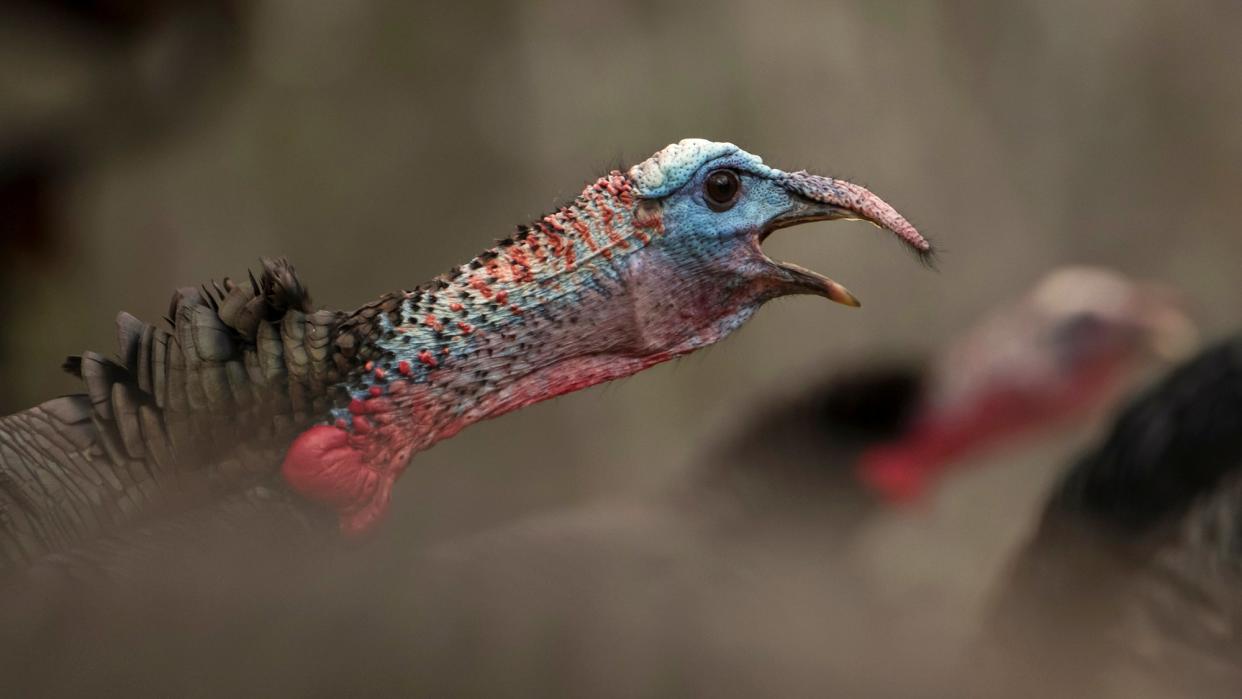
(350, 471)
(324, 467)
(904, 470)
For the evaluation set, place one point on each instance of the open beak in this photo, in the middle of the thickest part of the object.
(826, 199)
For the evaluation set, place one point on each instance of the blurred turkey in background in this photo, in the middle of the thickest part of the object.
(1065, 351)
(147, 145)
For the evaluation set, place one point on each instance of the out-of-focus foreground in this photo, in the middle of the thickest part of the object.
(144, 146)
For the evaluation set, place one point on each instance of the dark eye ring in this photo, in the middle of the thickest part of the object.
(722, 188)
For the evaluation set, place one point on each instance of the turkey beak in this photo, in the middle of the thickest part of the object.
(817, 198)
(802, 280)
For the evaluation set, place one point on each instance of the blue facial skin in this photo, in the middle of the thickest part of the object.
(690, 221)
(721, 247)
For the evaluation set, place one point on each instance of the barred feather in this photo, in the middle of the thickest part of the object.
(205, 407)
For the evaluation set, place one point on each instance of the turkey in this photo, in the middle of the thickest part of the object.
(886, 430)
(1132, 583)
(251, 388)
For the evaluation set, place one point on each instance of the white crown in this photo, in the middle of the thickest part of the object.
(669, 169)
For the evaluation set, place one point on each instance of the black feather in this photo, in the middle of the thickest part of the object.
(1172, 445)
(73, 366)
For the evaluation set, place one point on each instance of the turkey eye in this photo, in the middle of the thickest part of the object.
(721, 187)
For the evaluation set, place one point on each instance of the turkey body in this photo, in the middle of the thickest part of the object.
(1133, 579)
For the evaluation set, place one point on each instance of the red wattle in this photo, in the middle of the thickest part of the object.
(895, 473)
(322, 466)
(903, 470)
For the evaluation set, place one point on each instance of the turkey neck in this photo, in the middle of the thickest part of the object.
(540, 314)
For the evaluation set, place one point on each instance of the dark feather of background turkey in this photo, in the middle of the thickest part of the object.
(689, 590)
(1134, 578)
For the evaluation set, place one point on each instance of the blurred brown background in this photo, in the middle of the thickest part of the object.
(148, 145)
